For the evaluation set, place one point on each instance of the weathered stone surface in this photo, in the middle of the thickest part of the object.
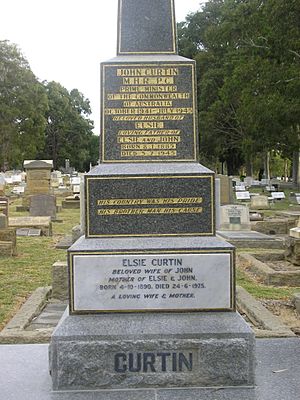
(3, 221)
(91, 352)
(268, 275)
(4, 205)
(226, 189)
(260, 203)
(6, 249)
(273, 226)
(60, 280)
(292, 250)
(76, 233)
(43, 223)
(9, 235)
(235, 217)
(71, 204)
(43, 205)
(296, 301)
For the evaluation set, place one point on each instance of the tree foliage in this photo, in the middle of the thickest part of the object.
(41, 120)
(68, 131)
(23, 103)
(248, 63)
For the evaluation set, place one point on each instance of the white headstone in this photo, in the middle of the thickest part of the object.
(248, 181)
(278, 195)
(75, 180)
(235, 217)
(242, 195)
(240, 187)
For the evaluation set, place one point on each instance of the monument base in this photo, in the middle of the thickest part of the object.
(117, 351)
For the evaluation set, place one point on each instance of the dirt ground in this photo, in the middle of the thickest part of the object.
(286, 312)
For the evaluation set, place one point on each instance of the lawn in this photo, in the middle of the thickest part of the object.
(31, 268)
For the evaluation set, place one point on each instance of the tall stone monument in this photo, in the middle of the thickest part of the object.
(38, 177)
(150, 264)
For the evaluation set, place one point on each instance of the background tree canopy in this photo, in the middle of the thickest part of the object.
(41, 120)
(248, 66)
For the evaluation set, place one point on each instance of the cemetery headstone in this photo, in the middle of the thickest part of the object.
(149, 261)
(278, 195)
(4, 205)
(235, 217)
(248, 181)
(38, 178)
(3, 221)
(240, 187)
(226, 189)
(8, 242)
(243, 195)
(260, 203)
(43, 205)
(55, 179)
(2, 185)
(295, 198)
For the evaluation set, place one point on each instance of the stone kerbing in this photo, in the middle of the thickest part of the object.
(14, 331)
(268, 275)
(259, 315)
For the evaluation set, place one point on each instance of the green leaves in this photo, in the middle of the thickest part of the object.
(69, 130)
(23, 103)
(40, 120)
(248, 59)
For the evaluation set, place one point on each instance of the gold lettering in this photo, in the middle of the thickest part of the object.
(143, 132)
(149, 125)
(147, 71)
(148, 96)
(167, 146)
(148, 103)
(147, 89)
(140, 111)
(149, 139)
(149, 81)
(149, 118)
(148, 153)
(129, 211)
(150, 201)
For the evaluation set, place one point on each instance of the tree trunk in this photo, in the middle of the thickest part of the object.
(267, 165)
(296, 168)
(286, 172)
(249, 166)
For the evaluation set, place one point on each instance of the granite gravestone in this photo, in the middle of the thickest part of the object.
(149, 261)
(43, 205)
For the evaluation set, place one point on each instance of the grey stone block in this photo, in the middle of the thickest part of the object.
(177, 202)
(296, 301)
(60, 281)
(148, 28)
(165, 350)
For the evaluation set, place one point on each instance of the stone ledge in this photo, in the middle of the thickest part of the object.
(14, 331)
(259, 315)
(91, 352)
(268, 275)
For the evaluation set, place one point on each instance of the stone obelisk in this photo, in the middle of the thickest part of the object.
(152, 289)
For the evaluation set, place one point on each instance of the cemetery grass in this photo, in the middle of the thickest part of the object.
(31, 268)
(264, 292)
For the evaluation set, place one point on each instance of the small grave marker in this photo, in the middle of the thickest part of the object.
(242, 195)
